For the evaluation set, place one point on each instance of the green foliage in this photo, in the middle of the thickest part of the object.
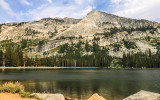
(51, 34)
(143, 29)
(70, 38)
(63, 48)
(37, 61)
(96, 38)
(87, 47)
(26, 94)
(29, 31)
(139, 60)
(95, 47)
(13, 56)
(59, 20)
(112, 32)
(6, 43)
(55, 30)
(147, 38)
(80, 37)
(16, 87)
(25, 43)
(129, 44)
(13, 53)
(115, 63)
(116, 46)
(73, 56)
(129, 30)
(42, 42)
(11, 87)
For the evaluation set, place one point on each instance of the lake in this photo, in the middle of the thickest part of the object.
(80, 84)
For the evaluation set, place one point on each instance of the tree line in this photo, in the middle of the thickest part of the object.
(140, 60)
(79, 55)
(129, 30)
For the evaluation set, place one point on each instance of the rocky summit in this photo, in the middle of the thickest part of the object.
(110, 31)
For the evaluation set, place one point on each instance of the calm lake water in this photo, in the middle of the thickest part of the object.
(80, 84)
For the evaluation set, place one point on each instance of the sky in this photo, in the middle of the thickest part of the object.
(32, 10)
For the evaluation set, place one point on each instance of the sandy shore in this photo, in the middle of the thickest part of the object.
(46, 67)
(10, 96)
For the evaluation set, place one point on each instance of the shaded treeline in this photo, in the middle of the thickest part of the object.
(79, 55)
(139, 60)
(72, 55)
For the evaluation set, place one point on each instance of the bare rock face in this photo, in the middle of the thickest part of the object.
(50, 96)
(98, 22)
(144, 95)
(41, 29)
(96, 97)
(57, 31)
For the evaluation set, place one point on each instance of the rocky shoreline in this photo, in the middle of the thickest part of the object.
(16, 91)
(141, 95)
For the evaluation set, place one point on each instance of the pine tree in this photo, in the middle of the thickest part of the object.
(87, 47)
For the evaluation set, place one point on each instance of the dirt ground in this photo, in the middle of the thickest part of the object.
(10, 96)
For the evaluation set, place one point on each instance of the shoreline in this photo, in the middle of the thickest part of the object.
(49, 67)
(43, 67)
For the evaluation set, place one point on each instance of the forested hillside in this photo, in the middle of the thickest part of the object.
(98, 40)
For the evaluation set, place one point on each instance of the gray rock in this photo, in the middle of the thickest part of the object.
(144, 95)
(50, 96)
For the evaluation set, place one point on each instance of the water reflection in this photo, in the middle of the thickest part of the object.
(3, 69)
(81, 84)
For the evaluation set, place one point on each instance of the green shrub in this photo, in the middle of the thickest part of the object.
(16, 87)
(11, 87)
(129, 44)
(26, 94)
(116, 46)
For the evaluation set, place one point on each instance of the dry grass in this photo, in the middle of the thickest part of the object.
(16, 89)
(11, 87)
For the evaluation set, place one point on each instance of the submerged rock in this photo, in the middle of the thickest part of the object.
(96, 97)
(144, 95)
(50, 96)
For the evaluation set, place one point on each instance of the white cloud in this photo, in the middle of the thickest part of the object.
(26, 2)
(50, 1)
(141, 9)
(73, 9)
(5, 5)
(116, 1)
(80, 2)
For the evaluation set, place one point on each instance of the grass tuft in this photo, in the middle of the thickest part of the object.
(10, 87)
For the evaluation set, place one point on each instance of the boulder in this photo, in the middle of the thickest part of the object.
(50, 96)
(96, 97)
(144, 95)
(68, 98)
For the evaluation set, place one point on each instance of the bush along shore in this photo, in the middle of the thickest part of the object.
(17, 88)
(11, 90)
(80, 55)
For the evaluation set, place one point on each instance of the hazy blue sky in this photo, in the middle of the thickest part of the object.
(29, 10)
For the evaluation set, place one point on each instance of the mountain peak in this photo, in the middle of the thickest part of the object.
(98, 16)
(94, 12)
